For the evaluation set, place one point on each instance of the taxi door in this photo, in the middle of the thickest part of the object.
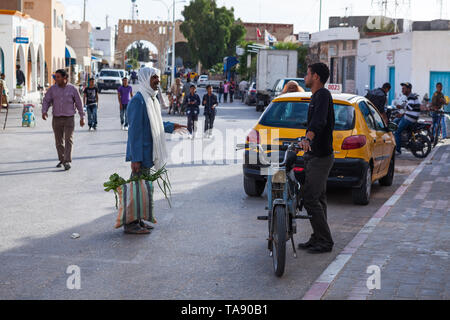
(384, 136)
(375, 138)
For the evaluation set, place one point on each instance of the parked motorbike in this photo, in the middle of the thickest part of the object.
(284, 200)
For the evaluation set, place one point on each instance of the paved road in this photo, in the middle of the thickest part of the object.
(209, 245)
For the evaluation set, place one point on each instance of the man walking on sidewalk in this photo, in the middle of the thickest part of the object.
(125, 93)
(319, 158)
(91, 102)
(65, 99)
(210, 103)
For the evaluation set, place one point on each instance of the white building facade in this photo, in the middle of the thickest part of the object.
(22, 42)
(419, 57)
(104, 40)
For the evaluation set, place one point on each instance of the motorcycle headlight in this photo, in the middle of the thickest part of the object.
(279, 177)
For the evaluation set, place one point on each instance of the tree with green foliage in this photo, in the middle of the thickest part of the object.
(212, 32)
(302, 53)
(139, 52)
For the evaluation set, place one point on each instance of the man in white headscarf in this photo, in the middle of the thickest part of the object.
(146, 146)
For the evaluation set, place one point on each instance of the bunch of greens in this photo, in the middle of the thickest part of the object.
(160, 176)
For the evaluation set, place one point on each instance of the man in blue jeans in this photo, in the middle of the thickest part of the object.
(91, 103)
(124, 93)
(437, 103)
(412, 113)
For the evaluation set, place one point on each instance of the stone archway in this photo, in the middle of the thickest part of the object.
(157, 32)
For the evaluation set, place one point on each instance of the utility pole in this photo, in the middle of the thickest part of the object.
(84, 11)
(320, 15)
(173, 44)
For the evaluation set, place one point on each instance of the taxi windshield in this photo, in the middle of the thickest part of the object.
(294, 115)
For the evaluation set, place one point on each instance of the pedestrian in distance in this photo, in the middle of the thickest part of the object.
(210, 103)
(90, 99)
(124, 94)
(226, 90)
(220, 91)
(186, 92)
(318, 157)
(192, 110)
(379, 99)
(146, 145)
(232, 90)
(437, 103)
(20, 77)
(65, 100)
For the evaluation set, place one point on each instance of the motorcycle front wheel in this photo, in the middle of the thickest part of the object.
(421, 147)
(279, 240)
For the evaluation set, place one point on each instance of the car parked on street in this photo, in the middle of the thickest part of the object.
(250, 94)
(109, 79)
(364, 146)
(202, 80)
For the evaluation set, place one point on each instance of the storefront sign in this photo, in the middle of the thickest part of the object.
(21, 40)
(334, 87)
(390, 56)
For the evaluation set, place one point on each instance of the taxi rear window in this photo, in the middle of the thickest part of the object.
(294, 115)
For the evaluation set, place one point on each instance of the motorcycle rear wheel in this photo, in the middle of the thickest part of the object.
(421, 148)
(279, 240)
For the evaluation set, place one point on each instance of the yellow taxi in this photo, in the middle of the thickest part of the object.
(363, 144)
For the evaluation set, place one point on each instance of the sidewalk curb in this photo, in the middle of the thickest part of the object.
(321, 285)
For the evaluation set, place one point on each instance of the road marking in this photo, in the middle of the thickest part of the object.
(329, 275)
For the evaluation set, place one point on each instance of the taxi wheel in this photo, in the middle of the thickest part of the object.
(387, 180)
(361, 195)
(253, 187)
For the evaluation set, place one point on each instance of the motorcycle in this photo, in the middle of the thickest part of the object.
(284, 200)
(417, 138)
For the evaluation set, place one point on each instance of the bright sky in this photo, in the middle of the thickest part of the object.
(304, 14)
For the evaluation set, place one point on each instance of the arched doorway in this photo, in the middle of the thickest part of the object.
(31, 69)
(20, 61)
(141, 52)
(2, 61)
(40, 67)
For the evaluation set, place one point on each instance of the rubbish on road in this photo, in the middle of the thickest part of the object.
(75, 235)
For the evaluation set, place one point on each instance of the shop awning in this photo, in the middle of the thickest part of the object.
(70, 53)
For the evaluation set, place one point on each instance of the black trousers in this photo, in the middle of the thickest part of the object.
(192, 117)
(225, 96)
(209, 121)
(315, 197)
(231, 96)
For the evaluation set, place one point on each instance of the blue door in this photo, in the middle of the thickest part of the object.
(444, 78)
(372, 78)
(392, 82)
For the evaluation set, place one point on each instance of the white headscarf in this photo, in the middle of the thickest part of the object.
(154, 115)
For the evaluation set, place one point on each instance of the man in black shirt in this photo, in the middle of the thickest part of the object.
(91, 103)
(20, 77)
(210, 104)
(319, 158)
(379, 99)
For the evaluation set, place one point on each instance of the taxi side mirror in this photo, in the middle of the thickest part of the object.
(392, 126)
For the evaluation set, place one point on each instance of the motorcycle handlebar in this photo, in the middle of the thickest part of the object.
(264, 160)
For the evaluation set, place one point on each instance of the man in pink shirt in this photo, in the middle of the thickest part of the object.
(65, 99)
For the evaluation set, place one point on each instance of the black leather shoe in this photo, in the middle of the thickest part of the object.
(59, 165)
(67, 166)
(319, 249)
(306, 245)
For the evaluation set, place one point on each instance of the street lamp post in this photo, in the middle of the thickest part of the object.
(173, 33)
